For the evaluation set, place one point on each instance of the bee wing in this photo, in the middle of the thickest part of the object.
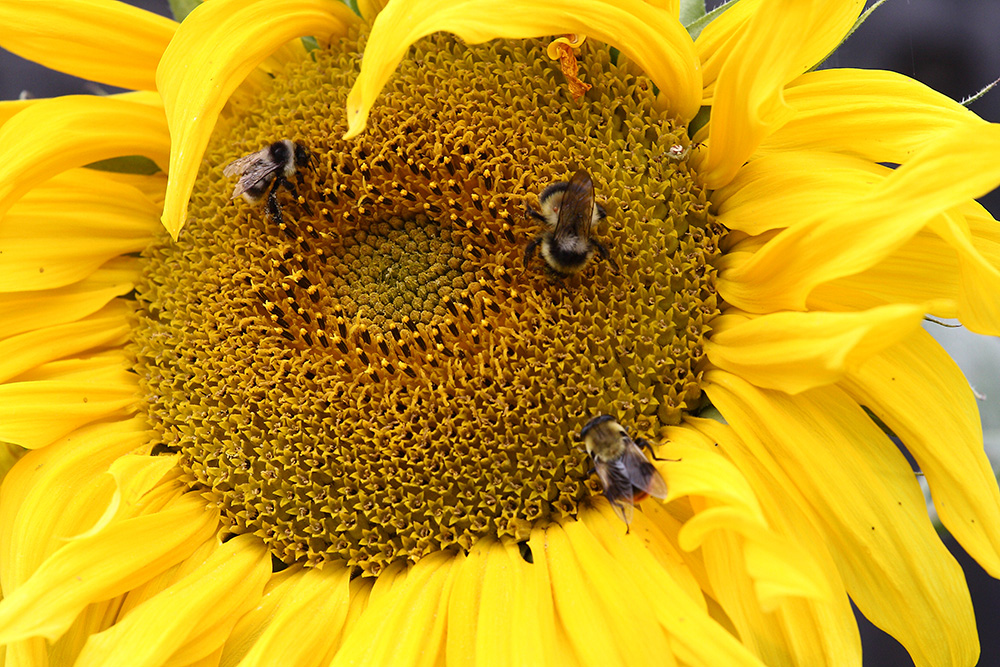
(576, 211)
(641, 473)
(617, 487)
(252, 169)
(240, 164)
(624, 508)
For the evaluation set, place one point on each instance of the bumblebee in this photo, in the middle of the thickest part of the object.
(569, 212)
(266, 170)
(626, 474)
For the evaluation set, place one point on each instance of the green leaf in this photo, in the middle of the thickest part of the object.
(127, 164)
(9, 455)
(985, 89)
(709, 411)
(691, 11)
(699, 120)
(698, 23)
(181, 8)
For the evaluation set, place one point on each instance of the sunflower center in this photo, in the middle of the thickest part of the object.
(379, 374)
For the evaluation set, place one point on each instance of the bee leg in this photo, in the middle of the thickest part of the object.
(644, 444)
(591, 472)
(605, 255)
(281, 180)
(274, 208)
(301, 180)
(531, 211)
(529, 251)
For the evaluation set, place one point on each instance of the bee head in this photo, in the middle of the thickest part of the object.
(303, 158)
(596, 421)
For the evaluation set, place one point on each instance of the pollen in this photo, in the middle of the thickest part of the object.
(380, 376)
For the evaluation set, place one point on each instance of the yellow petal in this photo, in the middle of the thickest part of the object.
(134, 476)
(777, 567)
(387, 580)
(529, 629)
(190, 619)
(94, 618)
(10, 108)
(309, 614)
(644, 587)
(581, 594)
(797, 630)
(77, 130)
(648, 35)
(622, 600)
(35, 413)
(944, 436)
(32, 310)
(361, 589)
(718, 40)
(862, 495)
(403, 628)
(37, 495)
(219, 44)
(370, 8)
(794, 352)
(251, 626)
(152, 587)
(985, 230)
(501, 579)
(101, 40)
(782, 189)
(104, 329)
(153, 186)
(874, 115)
(978, 279)
(854, 235)
(778, 42)
(657, 529)
(463, 606)
(62, 231)
(923, 270)
(29, 653)
(103, 566)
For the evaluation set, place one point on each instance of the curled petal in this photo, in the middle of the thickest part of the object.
(650, 36)
(794, 351)
(104, 565)
(780, 41)
(78, 130)
(190, 619)
(832, 461)
(88, 38)
(853, 236)
(219, 44)
(780, 190)
(945, 437)
(874, 115)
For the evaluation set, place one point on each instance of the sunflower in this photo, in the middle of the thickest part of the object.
(341, 425)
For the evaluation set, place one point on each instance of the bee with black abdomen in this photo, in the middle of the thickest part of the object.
(264, 171)
(569, 211)
(626, 474)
